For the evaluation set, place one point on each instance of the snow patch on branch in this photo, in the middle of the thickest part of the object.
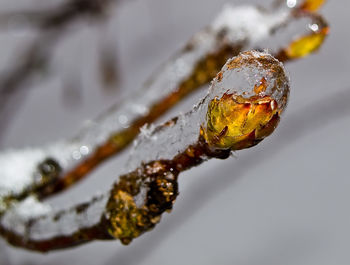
(248, 23)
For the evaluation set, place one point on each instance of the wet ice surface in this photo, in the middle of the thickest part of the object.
(170, 75)
(165, 143)
(168, 140)
(249, 68)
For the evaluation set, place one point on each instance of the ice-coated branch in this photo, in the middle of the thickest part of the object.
(54, 167)
(34, 225)
(234, 29)
(242, 107)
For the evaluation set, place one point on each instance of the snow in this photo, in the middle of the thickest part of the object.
(70, 221)
(19, 167)
(16, 168)
(20, 213)
(248, 22)
(42, 216)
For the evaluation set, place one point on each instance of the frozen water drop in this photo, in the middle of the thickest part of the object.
(314, 27)
(291, 3)
(84, 150)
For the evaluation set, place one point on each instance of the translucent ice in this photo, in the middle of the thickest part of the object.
(239, 78)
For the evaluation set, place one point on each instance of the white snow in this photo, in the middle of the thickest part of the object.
(45, 226)
(70, 221)
(16, 168)
(248, 22)
(19, 214)
(19, 167)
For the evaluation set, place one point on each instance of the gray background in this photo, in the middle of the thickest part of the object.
(282, 202)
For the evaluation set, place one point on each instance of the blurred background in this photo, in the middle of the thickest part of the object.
(284, 201)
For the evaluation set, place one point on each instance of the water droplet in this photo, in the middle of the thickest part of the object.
(123, 120)
(273, 105)
(76, 155)
(291, 3)
(84, 150)
(48, 170)
(314, 27)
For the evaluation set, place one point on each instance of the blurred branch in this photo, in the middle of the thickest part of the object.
(3, 253)
(52, 23)
(61, 16)
(35, 59)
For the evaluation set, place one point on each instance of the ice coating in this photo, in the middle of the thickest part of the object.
(225, 30)
(166, 141)
(245, 101)
(244, 24)
(303, 32)
(240, 77)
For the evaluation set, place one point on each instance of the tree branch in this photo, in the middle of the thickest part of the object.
(136, 203)
(186, 72)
